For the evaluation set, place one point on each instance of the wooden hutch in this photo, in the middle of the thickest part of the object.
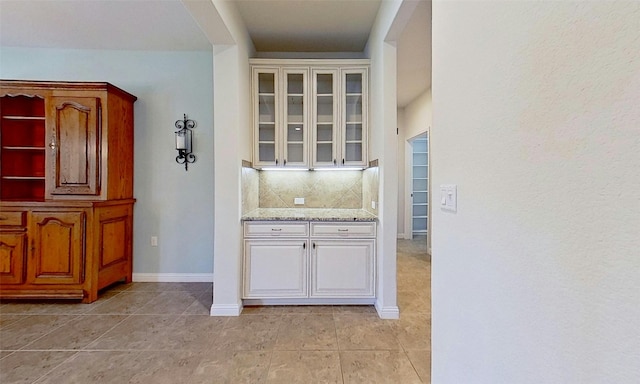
(66, 188)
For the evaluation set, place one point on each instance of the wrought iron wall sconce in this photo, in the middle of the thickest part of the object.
(184, 141)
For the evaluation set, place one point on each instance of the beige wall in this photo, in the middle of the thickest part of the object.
(536, 277)
(232, 113)
(383, 124)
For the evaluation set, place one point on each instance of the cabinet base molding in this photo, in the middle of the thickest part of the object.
(388, 313)
(310, 301)
(71, 294)
(226, 309)
(173, 277)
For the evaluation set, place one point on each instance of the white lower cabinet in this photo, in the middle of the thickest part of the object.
(335, 262)
(275, 268)
(342, 268)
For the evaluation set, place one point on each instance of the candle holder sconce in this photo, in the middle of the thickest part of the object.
(184, 141)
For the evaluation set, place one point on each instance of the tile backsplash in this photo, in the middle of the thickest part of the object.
(320, 189)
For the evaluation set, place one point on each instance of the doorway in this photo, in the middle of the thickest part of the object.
(417, 186)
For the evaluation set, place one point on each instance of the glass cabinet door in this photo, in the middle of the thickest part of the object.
(325, 117)
(265, 82)
(354, 124)
(295, 115)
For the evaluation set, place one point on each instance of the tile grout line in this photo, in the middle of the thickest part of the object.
(50, 331)
(280, 324)
(56, 367)
(335, 329)
(104, 333)
(413, 366)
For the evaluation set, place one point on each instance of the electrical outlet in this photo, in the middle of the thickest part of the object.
(154, 241)
(298, 200)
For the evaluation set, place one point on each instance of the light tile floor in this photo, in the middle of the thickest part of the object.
(161, 333)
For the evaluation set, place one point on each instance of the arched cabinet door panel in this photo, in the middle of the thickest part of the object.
(13, 254)
(58, 248)
(73, 144)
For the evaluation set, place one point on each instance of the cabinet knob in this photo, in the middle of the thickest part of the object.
(335, 162)
(342, 161)
(285, 162)
(276, 161)
(52, 144)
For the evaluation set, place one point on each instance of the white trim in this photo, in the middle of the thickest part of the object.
(226, 309)
(408, 188)
(348, 62)
(311, 301)
(173, 277)
(387, 313)
(429, 251)
(400, 235)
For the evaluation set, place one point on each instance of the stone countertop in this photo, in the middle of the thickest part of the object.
(309, 214)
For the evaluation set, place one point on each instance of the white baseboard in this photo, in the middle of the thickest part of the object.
(309, 301)
(173, 277)
(226, 309)
(387, 313)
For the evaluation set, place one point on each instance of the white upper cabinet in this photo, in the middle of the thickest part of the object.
(325, 117)
(310, 113)
(265, 110)
(280, 117)
(296, 117)
(353, 123)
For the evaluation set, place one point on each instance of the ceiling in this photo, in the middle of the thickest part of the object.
(414, 55)
(166, 25)
(309, 25)
(150, 25)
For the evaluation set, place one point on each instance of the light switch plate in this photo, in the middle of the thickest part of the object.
(298, 200)
(449, 197)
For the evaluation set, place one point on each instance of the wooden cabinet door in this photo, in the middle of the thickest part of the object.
(58, 249)
(343, 268)
(275, 268)
(73, 139)
(13, 254)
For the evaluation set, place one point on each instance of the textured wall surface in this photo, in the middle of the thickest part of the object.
(536, 118)
(370, 189)
(250, 189)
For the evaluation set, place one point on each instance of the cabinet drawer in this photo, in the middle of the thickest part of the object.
(12, 219)
(273, 228)
(334, 229)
